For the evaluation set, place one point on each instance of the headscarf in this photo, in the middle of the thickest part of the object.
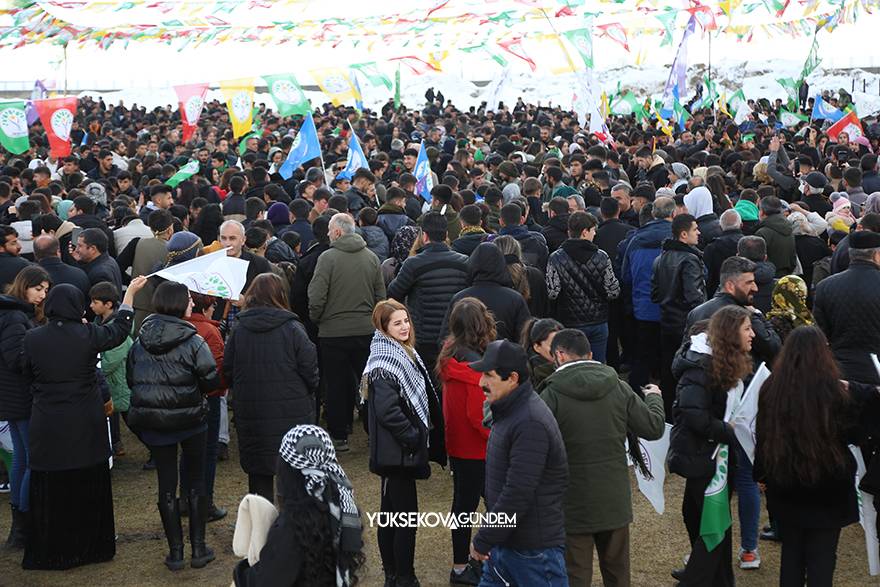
(183, 246)
(403, 242)
(872, 204)
(63, 208)
(790, 301)
(309, 450)
(65, 303)
(748, 211)
(699, 201)
(800, 225)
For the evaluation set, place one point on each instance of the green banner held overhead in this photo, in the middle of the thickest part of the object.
(373, 74)
(14, 127)
(184, 173)
(288, 94)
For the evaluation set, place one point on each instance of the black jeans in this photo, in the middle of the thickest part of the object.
(646, 361)
(165, 457)
(429, 352)
(808, 555)
(620, 330)
(342, 365)
(262, 485)
(468, 482)
(705, 568)
(397, 546)
(669, 343)
(211, 450)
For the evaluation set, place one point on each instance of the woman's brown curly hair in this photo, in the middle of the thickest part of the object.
(730, 362)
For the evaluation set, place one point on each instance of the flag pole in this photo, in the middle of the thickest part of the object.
(65, 68)
(709, 89)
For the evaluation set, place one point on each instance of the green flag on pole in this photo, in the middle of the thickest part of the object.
(791, 119)
(14, 127)
(184, 173)
(397, 87)
(791, 88)
(711, 94)
(256, 131)
(582, 39)
(288, 94)
(373, 74)
(812, 61)
(628, 104)
(715, 519)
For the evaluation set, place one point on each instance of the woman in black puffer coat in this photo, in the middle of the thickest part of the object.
(272, 368)
(170, 369)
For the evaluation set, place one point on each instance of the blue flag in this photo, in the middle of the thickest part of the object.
(356, 159)
(422, 171)
(306, 147)
(677, 80)
(822, 109)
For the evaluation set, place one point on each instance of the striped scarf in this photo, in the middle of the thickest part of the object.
(389, 358)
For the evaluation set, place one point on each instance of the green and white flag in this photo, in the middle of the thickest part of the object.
(791, 119)
(373, 74)
(397, 87)
(738, 101)
(711, 94)
(184, 173)
(628, 104)
(813, 59)
(791, 88)
(715, 519)
(14, 127)
(582, 39)
(288, 94)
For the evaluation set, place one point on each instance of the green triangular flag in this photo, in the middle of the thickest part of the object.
(14, 127)
(184, 173)
(373, 74)
(582, 39)
(288, 94)
(715, 519)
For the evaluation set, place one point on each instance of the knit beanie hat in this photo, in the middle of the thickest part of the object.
(278, 214)
(840, 203)
(183, 246)
(748, 211)
(681, 171)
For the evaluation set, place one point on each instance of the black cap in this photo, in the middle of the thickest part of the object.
(816, 179)
(504, 355)
(860, 239)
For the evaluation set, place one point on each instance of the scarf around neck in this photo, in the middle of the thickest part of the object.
(389, 358)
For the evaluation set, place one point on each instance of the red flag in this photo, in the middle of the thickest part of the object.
(516, 43)
(192, 100)
(57, 115)
(615, 32)
(849, 124)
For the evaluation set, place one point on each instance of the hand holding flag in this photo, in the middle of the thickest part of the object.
(356, 158)
(306, 147)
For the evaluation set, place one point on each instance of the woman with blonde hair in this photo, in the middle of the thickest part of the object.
(406, 431)
(710, 368)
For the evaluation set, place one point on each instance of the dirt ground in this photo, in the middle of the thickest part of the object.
(658, 542)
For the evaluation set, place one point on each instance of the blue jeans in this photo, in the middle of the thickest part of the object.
(20, 476)
(597, 334)
(749, 497)
(507, 567)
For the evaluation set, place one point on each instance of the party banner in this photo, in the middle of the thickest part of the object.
(239, 96)
(192, 101)
(373, 74)
(337, 84)
(582, 39)
(287, 94)
(14, 127)
(849, 124)
(57, 115)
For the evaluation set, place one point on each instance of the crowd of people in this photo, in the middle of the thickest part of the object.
(550, 300)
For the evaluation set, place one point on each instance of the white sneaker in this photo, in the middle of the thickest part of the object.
(686, 558)
(749, 559)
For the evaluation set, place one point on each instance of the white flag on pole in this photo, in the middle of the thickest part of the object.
(867, 514)
(215, 274)
(654, 455)
(743, 419)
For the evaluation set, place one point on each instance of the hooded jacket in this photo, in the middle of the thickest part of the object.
(391, 219)
(556, 231)
(170, 369)
(273, 367)
(427, 282)
(595, 410)
(463, 401)
(15, 389)
(765, 279)
(68, 426)
(677, 283)
(534, 247)
(581, 279)
(345, 288)
(490, 283)
(781, 251)
(698, 415)
(716, 252)
(638, 263)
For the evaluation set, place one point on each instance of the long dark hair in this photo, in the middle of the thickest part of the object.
(515, 267)
(799, 408)
(471, 327)
(730, 363)
(30, 276)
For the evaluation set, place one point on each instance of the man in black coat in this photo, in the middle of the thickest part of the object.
(427, 283)
(722, 248)
(738, 287)
(534, 247)
(556, 230)
(91, 252)
(678, 285)
(471, 233)
(82, 214)
(10, 260)
(305, 270)
(47, 252)
(754, 248)
(526, 473)
(362, 191)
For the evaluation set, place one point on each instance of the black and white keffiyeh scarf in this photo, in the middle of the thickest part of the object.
(308, 449)
(388, 357)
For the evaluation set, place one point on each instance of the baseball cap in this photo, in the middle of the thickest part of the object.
(504, 355)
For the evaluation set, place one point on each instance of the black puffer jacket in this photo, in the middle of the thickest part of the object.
(698, 415)
(427, 282)
(556, 232)
(766, 343)
(534, 247)
(677, 283)
(716, 252)
(847, 309)
(581, 279)
(170, 369)
(467, 243)
(526, 474)
(710, 229)
(272, 367)
(491, 284)
(15, 389)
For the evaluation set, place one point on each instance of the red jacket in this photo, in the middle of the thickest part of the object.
(210, 331)
(463, 399)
